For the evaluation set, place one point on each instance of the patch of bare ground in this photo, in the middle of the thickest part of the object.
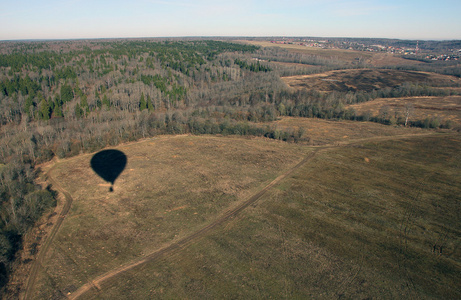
(337, 54)
(419, 108)
(365, 80)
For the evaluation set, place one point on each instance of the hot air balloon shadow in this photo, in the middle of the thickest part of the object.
(109, 164)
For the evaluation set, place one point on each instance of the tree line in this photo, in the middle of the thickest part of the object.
(60, 99)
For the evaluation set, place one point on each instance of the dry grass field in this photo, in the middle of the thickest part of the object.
(379, 220)
(171, 187)
(297, 65)
(372, 58)
(443, 108)
(373, 213)
(323, 132)
(364, 80)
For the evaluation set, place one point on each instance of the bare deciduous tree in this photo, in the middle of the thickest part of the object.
(408, 111)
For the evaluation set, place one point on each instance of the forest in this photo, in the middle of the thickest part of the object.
(63, 98)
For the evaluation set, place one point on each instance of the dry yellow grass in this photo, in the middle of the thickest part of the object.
(443, 108)
(364, 80)
(170, 187)
(321, 132)
(376, 220)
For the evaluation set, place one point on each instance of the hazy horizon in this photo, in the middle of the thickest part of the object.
(83, 19)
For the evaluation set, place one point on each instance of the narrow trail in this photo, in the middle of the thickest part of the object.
(46, 245)
(175, 246)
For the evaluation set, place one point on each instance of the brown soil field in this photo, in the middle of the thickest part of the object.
(364, 80)
(374, 59)
(443, 108)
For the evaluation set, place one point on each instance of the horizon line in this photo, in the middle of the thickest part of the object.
(214, 36)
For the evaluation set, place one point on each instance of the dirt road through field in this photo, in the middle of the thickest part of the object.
(188, 239)
(172, 248)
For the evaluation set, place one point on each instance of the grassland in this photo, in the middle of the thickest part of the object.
(364, 80)
(171, 187)
(442, 108)
(319, 132)
(375, 213)
(372, 220)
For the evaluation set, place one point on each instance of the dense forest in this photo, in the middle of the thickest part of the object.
(63, 98)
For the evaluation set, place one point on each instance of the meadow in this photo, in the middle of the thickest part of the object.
(365, 80)
(171, 187)
(376, 219)
(373, 214)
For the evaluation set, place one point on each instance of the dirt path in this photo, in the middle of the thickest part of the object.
(96, 283)
(46, 245)
(175, 246)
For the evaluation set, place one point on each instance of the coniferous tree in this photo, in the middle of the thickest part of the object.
(44, 110)
(28, 105)
(67, 93)
(57, 112)
(142, 103)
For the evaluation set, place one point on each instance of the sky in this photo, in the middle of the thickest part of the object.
(79, 19)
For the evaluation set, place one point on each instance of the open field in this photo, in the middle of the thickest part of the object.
(331, 228)
(297, 65)
(364, 80)
(171, 187)
(443, 108)
(373, 220)
(320, 132)
(374, 59)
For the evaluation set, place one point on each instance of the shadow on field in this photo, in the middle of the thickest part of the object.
(109, 164)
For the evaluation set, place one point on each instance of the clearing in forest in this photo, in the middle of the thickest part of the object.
(170, 187)
(364, 217)
(370, 220)
(419, 108)
(365, 80)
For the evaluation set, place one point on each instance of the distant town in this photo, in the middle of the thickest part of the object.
(416, 51)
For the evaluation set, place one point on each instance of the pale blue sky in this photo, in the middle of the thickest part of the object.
(69, 19)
